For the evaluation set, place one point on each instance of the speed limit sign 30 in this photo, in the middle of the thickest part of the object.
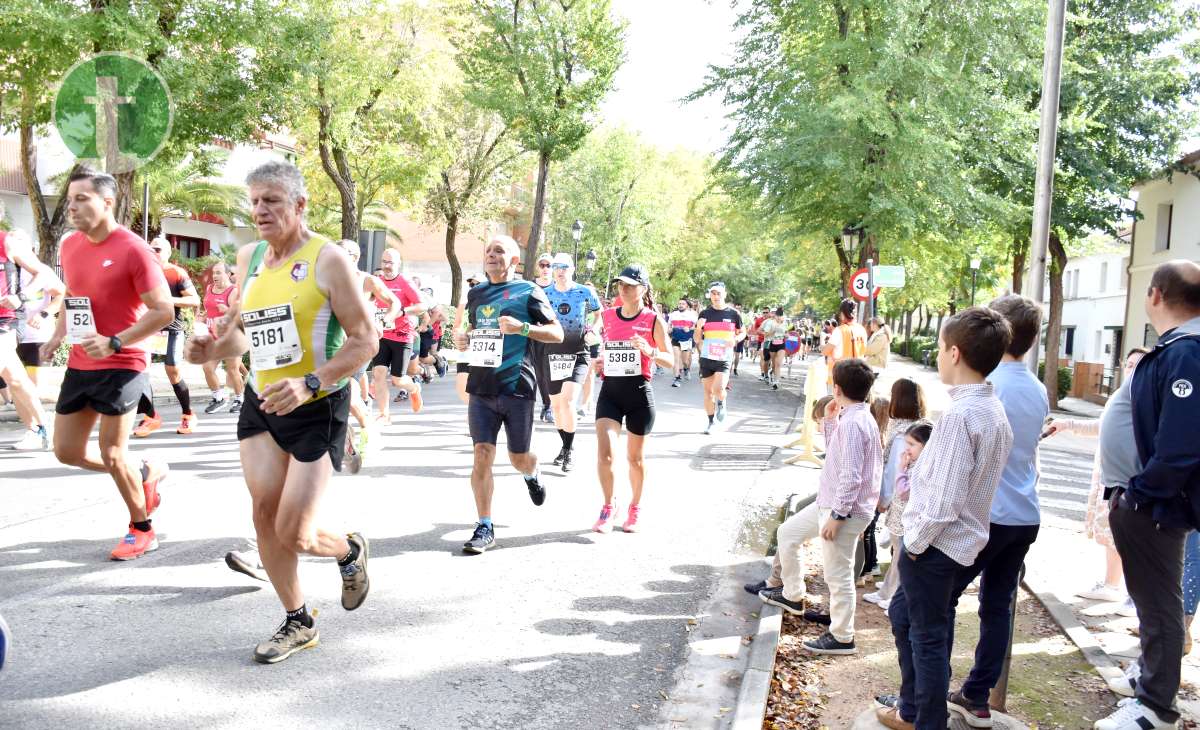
(859, 284)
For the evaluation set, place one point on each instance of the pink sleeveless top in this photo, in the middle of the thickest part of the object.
(617, 329)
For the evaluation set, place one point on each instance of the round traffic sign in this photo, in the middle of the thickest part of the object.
(859, 284)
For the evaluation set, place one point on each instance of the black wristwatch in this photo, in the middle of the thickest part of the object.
(115, 343)
(313, 383)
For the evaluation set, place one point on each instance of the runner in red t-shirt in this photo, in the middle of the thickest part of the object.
(183, 296)
(16, 255)
(396, 342)
(116, 298)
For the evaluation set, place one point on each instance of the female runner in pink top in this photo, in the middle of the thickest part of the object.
(635, 339)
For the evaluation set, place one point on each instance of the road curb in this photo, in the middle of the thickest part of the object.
(756, 681)
(1107, 667)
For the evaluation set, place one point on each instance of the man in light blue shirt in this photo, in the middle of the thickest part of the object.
(1015, 515)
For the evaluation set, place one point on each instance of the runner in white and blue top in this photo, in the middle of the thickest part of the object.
(567, 362)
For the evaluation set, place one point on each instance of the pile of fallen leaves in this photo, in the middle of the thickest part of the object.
(795, 701)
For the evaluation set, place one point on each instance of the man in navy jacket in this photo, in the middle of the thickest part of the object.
(1151, 518)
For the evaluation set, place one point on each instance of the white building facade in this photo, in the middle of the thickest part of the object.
(1169, 229)
(1093, 318)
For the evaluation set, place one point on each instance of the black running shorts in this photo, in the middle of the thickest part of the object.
(107, 392)
(578, 373)
(487, 413)
(628, 400)
(709, 368)
(30, 354)
(393, 355)
(426, 343)
(307, 433)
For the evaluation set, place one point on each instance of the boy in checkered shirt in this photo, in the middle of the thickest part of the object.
(948, 514)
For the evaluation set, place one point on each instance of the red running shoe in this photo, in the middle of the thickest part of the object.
(135, 544)
(153, 474)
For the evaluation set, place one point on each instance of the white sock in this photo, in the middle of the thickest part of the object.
(219, 394)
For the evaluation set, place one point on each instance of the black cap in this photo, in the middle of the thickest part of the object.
(635, 274)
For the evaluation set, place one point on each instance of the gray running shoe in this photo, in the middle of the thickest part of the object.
(236, 405)
(214, 405)
(246, 563)
(721, 411)
(355, 583)
(289, 638)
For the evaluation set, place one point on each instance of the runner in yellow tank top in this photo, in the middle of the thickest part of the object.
(304, 320)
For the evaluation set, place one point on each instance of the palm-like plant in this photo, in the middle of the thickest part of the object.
(327, 220)
(186, 190)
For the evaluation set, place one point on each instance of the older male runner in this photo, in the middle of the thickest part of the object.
(304, 319)
(504, 315)
(390, 363)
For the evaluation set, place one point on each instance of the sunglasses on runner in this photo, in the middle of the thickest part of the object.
(544, 265)
(560, 266)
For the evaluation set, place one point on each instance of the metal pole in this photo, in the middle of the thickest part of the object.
(146, 210)
(1047, 139)
(974, 272)
(998, 697)
(870, 289)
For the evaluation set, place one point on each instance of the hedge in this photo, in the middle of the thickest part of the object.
(1065, 378)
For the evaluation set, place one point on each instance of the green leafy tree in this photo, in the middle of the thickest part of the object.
(544, 66)
(1129, 78)
(480, 155)
(227, 64)
(863, 113)
(365, 95)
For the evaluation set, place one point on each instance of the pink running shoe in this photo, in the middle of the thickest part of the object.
(608, 515)
(631, 518)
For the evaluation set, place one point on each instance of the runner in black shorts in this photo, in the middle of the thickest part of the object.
(116, 298)
(183, 296)
(292, 426)
(717, 331)
(504, 315)
(635, 341)
(567, 362)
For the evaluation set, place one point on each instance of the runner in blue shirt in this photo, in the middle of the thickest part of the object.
(567, 362)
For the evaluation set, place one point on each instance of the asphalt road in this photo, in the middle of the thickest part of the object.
(555, 628)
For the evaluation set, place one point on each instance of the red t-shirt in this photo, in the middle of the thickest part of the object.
(113, 274)
(408, 296)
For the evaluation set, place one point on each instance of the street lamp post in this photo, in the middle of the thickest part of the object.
(851, 240)
(975, 264)
(590, 260)
(576, 235)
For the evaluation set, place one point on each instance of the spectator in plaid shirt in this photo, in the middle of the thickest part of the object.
(845, 505)
(947, 518)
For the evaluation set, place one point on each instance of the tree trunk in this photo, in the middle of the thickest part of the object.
(539, 212)
(1056, 265)
(123, 209)
(452, 257)
(941, 318)
(1020, 253)
(337, 168)
(908, 325)
(49, 224)
(843, 264)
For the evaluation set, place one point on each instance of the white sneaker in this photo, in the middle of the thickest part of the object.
(1127, 608)
(1126, 686)
(1131, 715)
(873, 597)
(32, 441)
(1103, 592)
(883, 605)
